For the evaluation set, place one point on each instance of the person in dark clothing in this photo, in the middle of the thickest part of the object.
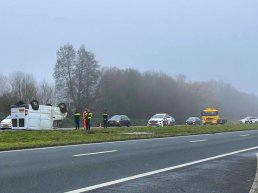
(105, 119)
(77, 119)
(88, 119)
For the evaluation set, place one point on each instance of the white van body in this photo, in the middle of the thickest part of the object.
(24, 117)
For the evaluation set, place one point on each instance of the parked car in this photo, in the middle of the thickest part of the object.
(119, 120)
(249, 120)
(6, 123)
(193, 121)
(161, 119)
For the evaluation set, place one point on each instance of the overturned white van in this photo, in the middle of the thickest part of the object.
(36, 117)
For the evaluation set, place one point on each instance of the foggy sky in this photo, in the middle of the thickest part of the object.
(200, 39)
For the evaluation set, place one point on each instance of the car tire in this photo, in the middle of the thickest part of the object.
(34, 104)
(62, 107)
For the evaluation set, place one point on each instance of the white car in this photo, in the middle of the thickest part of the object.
(6, 123)
(161, 119)
(253, 120)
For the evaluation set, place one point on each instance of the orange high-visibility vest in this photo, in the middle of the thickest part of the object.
(84, 119)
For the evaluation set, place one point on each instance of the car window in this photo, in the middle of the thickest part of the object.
(191, 119)
(116, 117)
(158, 116)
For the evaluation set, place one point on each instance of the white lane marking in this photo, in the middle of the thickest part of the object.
(111, 142)
(244, 135)
(254, 188)
(89, 188)
(196, 141)
(95, 153)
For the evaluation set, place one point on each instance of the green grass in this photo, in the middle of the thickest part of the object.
(30, 139)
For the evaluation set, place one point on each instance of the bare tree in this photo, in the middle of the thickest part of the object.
(46, 93)
(4, 84)
(76, 76)
(86, 74)
(23, 86)
(63, 74)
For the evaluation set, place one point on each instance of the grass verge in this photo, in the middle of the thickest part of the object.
(30, 139)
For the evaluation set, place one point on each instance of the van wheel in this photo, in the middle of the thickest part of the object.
(62, 107)
(34, 104)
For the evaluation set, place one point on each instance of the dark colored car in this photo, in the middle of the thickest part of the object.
(193, 121)
(119, 120)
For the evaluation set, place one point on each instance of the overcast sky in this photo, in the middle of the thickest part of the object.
(201, 39)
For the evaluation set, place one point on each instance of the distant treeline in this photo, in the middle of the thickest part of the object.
(81, 83)
(143, 94)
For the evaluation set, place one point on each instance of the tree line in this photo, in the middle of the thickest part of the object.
(20, 86)
(81, 82)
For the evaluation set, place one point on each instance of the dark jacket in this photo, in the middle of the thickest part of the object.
(77, 116)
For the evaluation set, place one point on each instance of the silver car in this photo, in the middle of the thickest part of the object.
(161, 120)
(6, 123)
(248, 120)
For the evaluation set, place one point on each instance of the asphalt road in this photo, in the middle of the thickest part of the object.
(196, 164)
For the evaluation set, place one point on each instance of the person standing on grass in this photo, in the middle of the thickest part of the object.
(88, 119)
(84, 117)
(77, 119)
(105, 119)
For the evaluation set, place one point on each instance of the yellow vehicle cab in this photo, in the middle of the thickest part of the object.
(210, 115)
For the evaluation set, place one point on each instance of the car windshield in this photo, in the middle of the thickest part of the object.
(192, 118)
(116, 118)
(158, 116)
(209, 113)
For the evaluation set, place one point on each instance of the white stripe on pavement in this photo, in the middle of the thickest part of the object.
(95, 153)
(89, 188)
(196, 141)
(254, 188)
(244, 135)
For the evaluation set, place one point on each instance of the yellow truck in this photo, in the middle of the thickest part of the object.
(210, 115)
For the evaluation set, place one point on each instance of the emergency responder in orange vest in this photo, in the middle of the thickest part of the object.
(84, 116)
